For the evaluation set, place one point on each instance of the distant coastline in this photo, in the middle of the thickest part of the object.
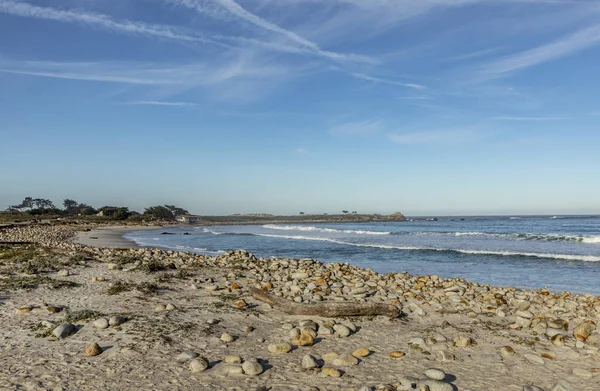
(307, 218)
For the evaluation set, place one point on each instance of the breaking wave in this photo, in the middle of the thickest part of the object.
(566, 257)
(307, 228)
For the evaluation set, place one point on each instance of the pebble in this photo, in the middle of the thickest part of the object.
(303, 340)
(534, 358)
(93, 349)
(309, 362)
(435, 374)
(64, 330)
(249, 329)
(239, 303)
(252, 367)
(53, 309)
(279, 348)
(434, 385)
(361, 352)
(63, 273)
(583, 331)
(117, 320)
(186, 356)
(397, 354)
(24, 309)
(233, 359)
(345, 360)
(331, 372)
(159, 307)
(212, 321)
(506, 351)
(343, 331)
(170, 307)
(198, 364)
(225, 337)
(101, 323)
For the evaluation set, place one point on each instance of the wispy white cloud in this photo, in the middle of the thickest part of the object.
(220, 69)
(562, 47)
(243, 14)
(508, 118)
(104, 22)
(449, 136)
(385, 81)
(361, 128)
(163, 103)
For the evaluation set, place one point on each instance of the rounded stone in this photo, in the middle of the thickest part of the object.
(303, 340)
(396, 354)
(117, 320)
(279, 348)
(93, 349)
(309, 362)
(64, 330)
(23, 310)
(435, 374)
(233, 359)
(361, 352)
(252, 367)
(159, 307)
(506, 351)
(434, 385)
(342, 330)
(225, 337)
(331, 372)
(327, 357)
(170, 307)
(345, 360)
(198, 364)
(101, 323)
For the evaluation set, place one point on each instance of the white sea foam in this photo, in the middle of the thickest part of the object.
(210, 231)
(306, 228)
(567, 257)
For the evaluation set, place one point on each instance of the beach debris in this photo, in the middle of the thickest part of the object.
(326, 309)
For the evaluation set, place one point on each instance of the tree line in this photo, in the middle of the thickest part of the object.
(45, 207)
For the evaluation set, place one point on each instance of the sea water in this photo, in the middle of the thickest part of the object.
(558, 252)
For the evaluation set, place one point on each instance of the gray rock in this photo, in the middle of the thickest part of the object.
(64, 330)
(117, 320)
(309, 362)
(186, 356)
(212, 321)
(342, 330)
(63, 273)
(252, 367)
(434, 385)
(435, 374)
(198, 364)
(101, 323)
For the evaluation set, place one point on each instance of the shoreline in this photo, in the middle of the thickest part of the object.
(110, 237)
(195, 323)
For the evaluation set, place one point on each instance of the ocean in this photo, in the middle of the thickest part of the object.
(561, 253)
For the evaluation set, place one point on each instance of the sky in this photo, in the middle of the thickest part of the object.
(280, 106)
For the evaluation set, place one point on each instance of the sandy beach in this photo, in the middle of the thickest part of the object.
(110, 237)
(179, 321)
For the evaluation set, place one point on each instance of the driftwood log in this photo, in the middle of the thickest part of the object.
(329, 310)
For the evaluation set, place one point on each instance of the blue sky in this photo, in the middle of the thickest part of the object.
(225, 106)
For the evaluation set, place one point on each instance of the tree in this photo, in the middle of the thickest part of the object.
(71, 206)
(35, 206)
(165, 212)
(344, 211)
(116, 212)
(301, 213)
